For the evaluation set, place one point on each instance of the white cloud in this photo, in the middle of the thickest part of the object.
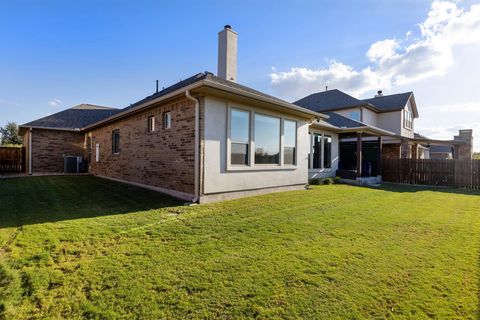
(55, 103)
(383, 50)
(455, 108)
(393, 62)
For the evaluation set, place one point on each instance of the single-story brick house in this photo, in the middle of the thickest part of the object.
(202, 139)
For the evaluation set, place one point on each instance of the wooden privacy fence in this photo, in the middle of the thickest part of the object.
(12, 160)
(452, 173)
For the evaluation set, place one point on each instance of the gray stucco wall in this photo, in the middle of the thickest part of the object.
(219, 178)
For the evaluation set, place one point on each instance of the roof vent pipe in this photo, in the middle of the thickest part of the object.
(379, 94)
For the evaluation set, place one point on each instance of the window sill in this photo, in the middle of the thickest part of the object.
(261, 168)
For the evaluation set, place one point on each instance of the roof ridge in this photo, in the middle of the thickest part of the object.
(388, 95)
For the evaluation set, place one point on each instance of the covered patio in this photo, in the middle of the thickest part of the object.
(359, 146)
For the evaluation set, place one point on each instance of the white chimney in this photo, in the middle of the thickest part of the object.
(227, 54)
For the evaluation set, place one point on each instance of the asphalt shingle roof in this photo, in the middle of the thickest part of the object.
(329, 100)
(341, 121)
(391, 102)
(195, 78)
(442, 149)
(74, 118)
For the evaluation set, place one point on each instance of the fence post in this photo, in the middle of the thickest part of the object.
(24, 160)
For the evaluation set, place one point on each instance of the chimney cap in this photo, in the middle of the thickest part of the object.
(227, 26)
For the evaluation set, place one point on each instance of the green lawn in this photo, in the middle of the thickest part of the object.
(82, 247)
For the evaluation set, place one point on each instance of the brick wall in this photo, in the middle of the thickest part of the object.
(49, 148)
(391, 151)
(163, 158)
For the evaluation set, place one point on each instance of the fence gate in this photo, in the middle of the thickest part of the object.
(12, 160)
(453, 173)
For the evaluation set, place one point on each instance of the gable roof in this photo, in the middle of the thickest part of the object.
(393, 102)
(74, 118)
(332, 100)
(196, 78)
(209, 80)
(329, 100)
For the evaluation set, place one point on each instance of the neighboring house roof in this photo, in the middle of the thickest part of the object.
(74, 118)
(440, 149)
(332, 100)
(210, 80)
(329, 100)
(339, 123)
(393, 102)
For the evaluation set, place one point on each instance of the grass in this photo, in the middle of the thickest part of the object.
(81, 247)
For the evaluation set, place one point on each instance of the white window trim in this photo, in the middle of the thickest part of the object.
(167, 125)
(322, 150)
(97, 152)
(405, 113)
(251, 166)
(152, 119)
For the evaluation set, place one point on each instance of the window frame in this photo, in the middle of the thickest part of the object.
(407, 119)
(151, 124)
(280, 136)
(360, 115)
(251, 147)
(167, 124)
(322, 135)
(116, 145)
(230, 141)
(283, 145)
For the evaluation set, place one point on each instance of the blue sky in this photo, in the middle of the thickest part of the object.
(56, 54)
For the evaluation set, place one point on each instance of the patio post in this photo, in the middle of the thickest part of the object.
(379, 156)
(359, 154)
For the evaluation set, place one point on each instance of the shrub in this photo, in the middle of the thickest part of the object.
(314, 182)
(328, 181)
(337, 180)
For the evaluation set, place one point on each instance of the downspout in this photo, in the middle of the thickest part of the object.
(30, 151)
(197, 145)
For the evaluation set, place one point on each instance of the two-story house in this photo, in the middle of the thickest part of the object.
(395, 113)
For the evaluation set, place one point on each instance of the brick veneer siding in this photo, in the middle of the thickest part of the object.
(163, 158)
(391, 151)
(49, 148)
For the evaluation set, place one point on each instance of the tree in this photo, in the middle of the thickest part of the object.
(476, 155)
(9, 134)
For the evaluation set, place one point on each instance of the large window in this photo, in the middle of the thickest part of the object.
(320, 155)
(407, 119)
(259, 140)
(267, 139)
(289, 142)
(239, 136)
(116, 141)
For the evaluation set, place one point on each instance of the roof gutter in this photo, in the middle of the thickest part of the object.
(48, 128)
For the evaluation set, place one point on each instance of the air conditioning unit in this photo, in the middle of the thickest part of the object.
(71, 164)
